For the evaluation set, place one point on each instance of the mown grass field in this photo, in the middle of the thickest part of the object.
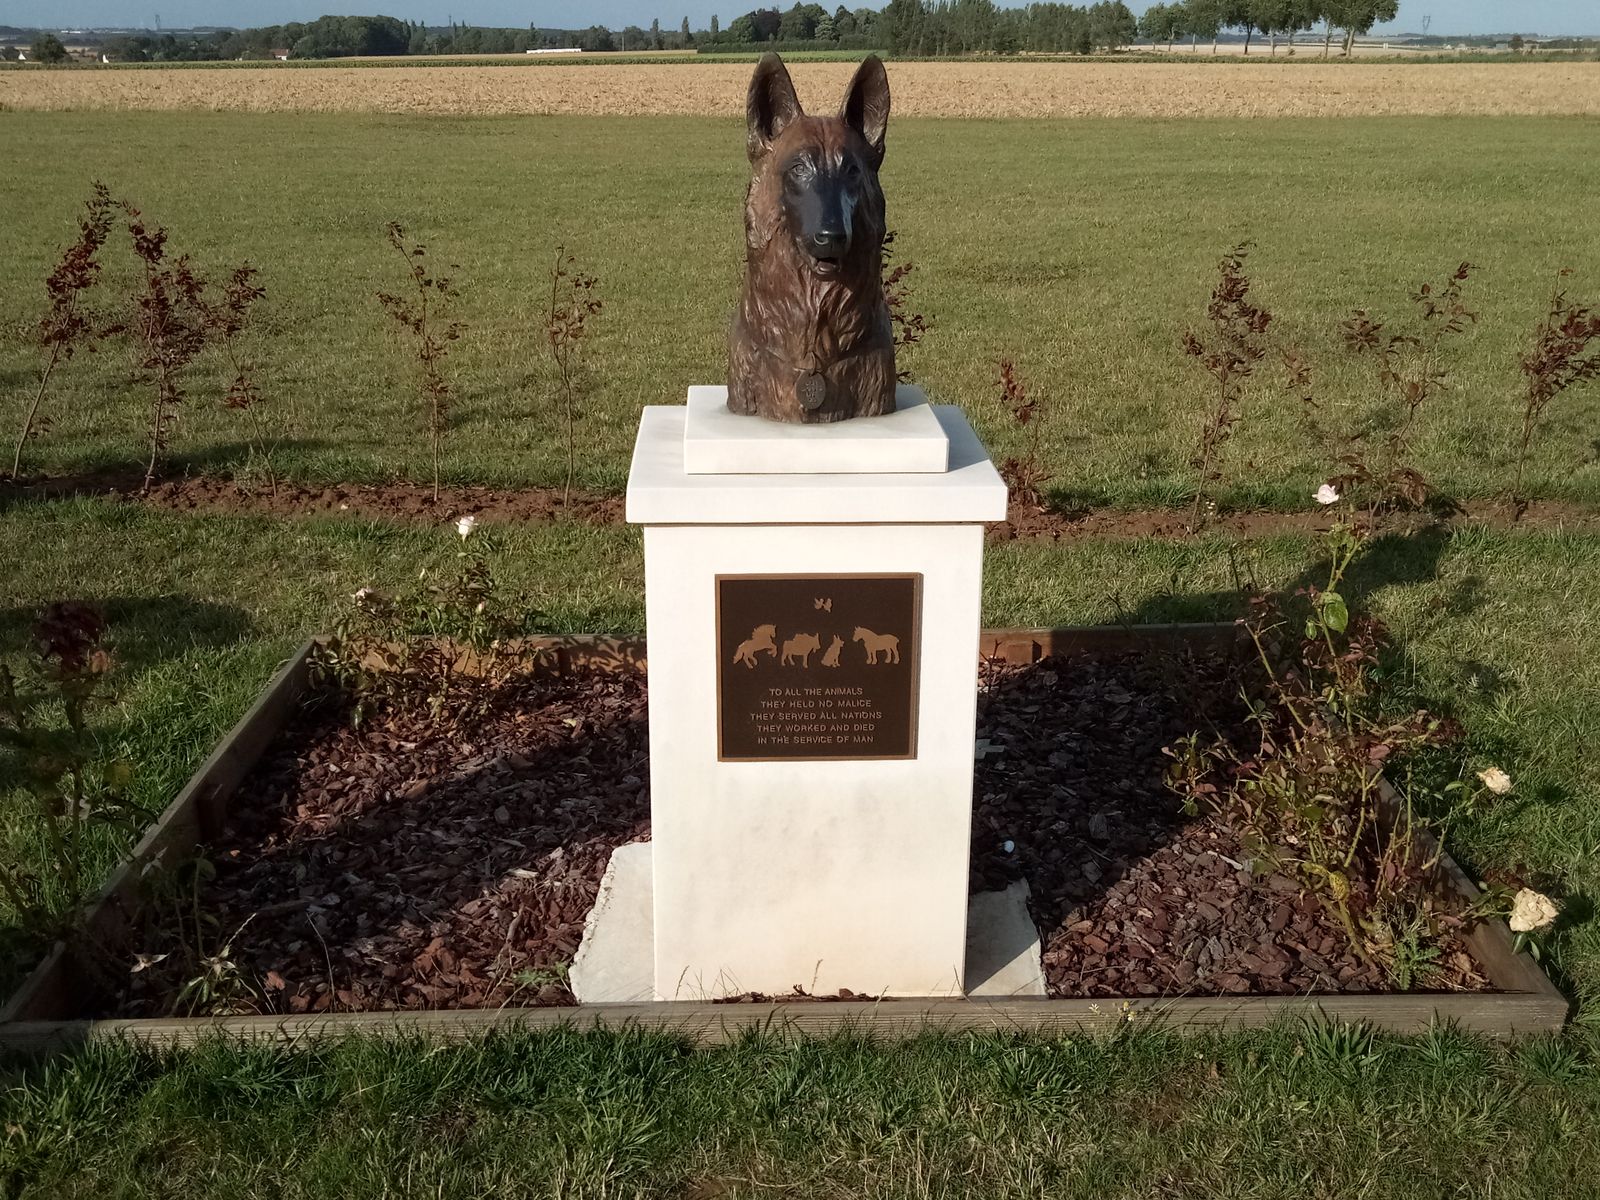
(1082, 249)
(1295, 1112)
(1191, 86)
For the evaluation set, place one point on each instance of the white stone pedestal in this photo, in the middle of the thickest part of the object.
(718, 442)
(773, 871)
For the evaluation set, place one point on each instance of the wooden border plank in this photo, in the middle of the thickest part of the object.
(60, 984)
(1494, 1014)
(1510, 969)
(1527, 1002)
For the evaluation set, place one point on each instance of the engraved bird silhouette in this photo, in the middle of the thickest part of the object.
(823, 605)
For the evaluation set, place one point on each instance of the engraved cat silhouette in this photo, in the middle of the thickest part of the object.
(831, 657)
(763, 637)
(875, 644)
(800, 647)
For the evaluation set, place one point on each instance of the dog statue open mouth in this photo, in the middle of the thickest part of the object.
(811, 341)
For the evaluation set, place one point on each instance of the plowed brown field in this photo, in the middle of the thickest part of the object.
(920, 89)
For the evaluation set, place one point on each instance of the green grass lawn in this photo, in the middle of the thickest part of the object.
(1080, 248)
(1297, 1112)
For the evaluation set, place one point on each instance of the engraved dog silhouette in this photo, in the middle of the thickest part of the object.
(831, 658)
(811, 340)
(801, 646)
(763, 637)
(875, 644)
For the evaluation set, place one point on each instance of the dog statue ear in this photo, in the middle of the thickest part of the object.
(866, 104)
(769, 106)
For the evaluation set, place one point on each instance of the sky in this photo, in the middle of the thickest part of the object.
(1552, 18)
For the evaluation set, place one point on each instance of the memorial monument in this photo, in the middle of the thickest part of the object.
(813, 541)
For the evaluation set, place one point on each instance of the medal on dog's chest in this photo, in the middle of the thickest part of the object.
(811, 389)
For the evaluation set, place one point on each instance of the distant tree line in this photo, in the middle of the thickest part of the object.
(952, 27)
(1205, 20)
(935, 27)
(979, 26)
(910, 27)
(47, 48)
(342, 37)
(802, 25)
(904, 27)
(805, 23)
(326, 37)
(44, 48)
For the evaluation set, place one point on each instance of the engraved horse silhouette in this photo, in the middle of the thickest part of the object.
(763, 637)
(801, 646)
(831, 658)
(875, 644)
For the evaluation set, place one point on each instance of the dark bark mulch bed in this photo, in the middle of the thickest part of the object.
(1034, 523)
(1131, 897)
(402, 867)
(397, 501)
(415, 502)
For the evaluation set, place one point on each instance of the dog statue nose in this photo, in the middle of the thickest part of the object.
(829, 243)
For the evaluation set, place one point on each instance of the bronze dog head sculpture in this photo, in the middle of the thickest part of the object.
(811, 341)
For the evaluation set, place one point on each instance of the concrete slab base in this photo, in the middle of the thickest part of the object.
(615, 963)
(1003, 951)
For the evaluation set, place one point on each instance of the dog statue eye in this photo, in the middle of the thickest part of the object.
(800, 170)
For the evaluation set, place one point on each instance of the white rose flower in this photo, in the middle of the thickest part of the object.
(1496, 780)
(465, 526)
(1327, 494)
(1531, 911)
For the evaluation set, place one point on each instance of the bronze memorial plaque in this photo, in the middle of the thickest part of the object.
(817, 666)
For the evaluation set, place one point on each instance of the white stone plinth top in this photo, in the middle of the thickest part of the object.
(719, 442)
(662, 492)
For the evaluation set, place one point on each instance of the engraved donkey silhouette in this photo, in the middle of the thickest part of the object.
(831, 658)
(875, 644)
(801, 646)
(763, 637)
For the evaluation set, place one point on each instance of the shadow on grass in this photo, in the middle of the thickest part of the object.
(126, 476)
(142, 631)
(1392, 560)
